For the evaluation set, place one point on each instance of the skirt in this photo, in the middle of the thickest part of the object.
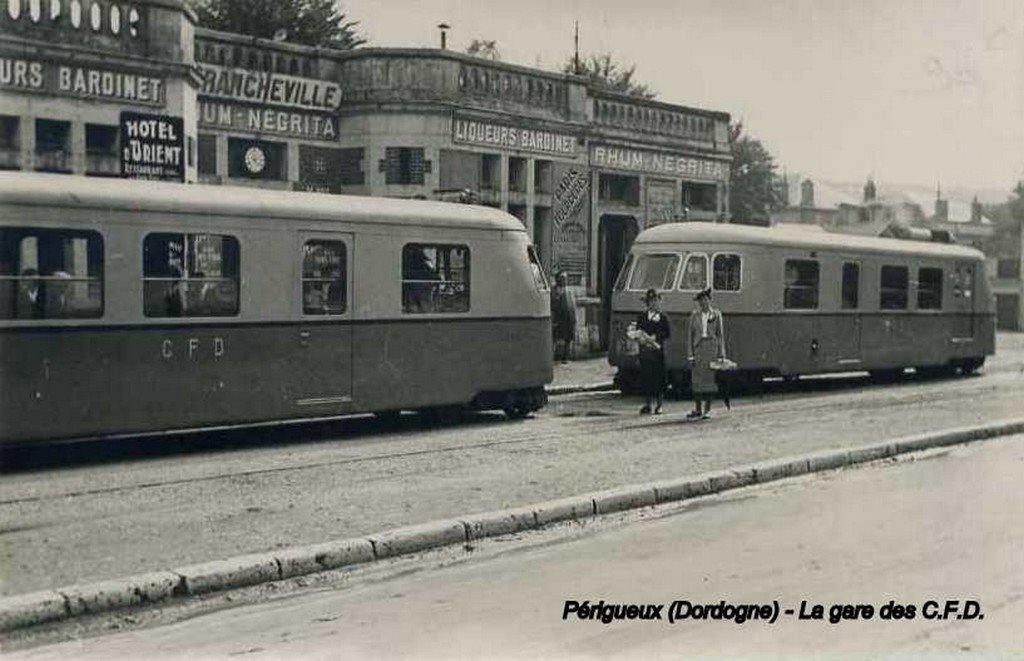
(652, 372)
(703, 377)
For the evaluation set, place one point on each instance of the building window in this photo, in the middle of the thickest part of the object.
(404, 165)
(929, 289)
(207, 154)
(50, 274)
(728, 271)
(435, 278)
(10, 143)
(490, 172)
(619, 188)
(893, 293)
(53, 146)
(543, 177)
(695, 273)
(324, 289)
(851, 286)
(801, 292)
(517, 174)
(256, 159)
(190, 275)
(102, 157)
(654, 272)
(351, 172)
(1008, 268)
(700, 197)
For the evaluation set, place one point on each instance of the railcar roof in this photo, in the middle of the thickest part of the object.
(704, 232)
(58, 190)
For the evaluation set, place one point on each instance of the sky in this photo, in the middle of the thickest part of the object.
(905, 91)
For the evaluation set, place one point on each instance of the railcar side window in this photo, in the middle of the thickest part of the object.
(435, 278)
(929, 289)
(324, 288)
(50, 274)
(190, 275)
(654, 271)
(620, 282)
(695, 273)
(727, 272)
(801, 282)
(851, 285)
(893, 294)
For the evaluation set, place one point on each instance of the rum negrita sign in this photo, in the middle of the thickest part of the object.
(260, 119)
(621, 158)
(152, 147)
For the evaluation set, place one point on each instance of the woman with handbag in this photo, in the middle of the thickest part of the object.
(705, 345)
(651, 332)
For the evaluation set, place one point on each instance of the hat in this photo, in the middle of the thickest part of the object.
(704, 293)
(650, 294)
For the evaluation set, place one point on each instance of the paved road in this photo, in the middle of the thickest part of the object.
(947, 526)
(168, 503)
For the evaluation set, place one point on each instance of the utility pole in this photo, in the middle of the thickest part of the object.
(576, 51)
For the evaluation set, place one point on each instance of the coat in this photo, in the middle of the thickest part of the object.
(716, 330)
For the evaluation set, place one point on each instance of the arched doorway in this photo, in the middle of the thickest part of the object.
(615, 235)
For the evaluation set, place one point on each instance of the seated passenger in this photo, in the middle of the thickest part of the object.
(30, 302)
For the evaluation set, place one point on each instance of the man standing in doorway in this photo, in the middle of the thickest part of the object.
(563, 317)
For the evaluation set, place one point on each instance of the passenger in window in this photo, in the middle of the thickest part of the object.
(563, 317)
(419, 272)
(30, 302)
(705, 345)
(175, 297)
(58, 295)
(652, 330)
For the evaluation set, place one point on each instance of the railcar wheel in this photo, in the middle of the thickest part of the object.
(388, 417)
(886, 376)
(441, 415)
(971, 365)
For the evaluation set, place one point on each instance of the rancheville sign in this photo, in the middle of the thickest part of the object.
(269, 88)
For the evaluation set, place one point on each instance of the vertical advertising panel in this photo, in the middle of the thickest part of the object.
(661, 202)
(570, 215)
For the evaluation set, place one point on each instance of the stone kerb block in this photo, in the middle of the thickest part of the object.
(25, 610)
(322, 557)
(490, 524)
(120, 593)
(417, 538)
(231, 573)
(565, 509)
(617, 500)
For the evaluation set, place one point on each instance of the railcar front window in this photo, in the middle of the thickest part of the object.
(435, 278)
(620, 282)
(893, 293)
(190, 275)
(50, 274)
(727, 272)
(654, 272)
(323, 277)
(536, 268)
(695, 273)
(801, 285)
(929, 289)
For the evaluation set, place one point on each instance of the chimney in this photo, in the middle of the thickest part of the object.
(941, 207)
(869, 191)
(975, 210)
(807, 193)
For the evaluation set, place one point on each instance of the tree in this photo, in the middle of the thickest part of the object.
(308, 22)
(604, 72)
(753, 189)
(484, 48)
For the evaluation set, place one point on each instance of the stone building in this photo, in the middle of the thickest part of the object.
(584, 169)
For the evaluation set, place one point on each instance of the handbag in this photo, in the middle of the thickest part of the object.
(628, 344)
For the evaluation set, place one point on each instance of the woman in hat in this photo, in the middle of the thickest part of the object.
(705, 343)
(652, 331)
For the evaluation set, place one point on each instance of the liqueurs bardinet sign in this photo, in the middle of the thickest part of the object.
(85, 82)
(152, 147)
(472, 132)
(269, 88)
(657, 163)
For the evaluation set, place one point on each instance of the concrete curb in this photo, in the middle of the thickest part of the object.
(603, 386)
(34, 608)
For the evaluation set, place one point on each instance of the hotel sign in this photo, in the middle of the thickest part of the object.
(21, 74)
(468, 131)
(269, 88)
(661, 163)
(257, 119)
(152, 147)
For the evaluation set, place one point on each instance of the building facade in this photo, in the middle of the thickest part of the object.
(584, 169)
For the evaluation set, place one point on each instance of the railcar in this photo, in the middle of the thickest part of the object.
(800, 301)
(135, 307)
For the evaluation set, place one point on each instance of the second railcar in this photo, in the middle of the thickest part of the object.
(139, 307)
(799, 301)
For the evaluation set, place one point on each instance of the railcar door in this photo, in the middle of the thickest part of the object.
(964, 305)
(848, 331)
(321, 375)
